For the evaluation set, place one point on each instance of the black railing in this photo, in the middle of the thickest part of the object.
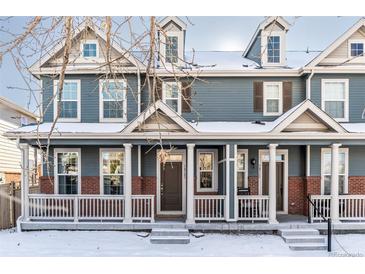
(328, 220)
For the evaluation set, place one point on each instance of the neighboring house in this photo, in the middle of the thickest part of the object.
(254, 124)
(12, 117)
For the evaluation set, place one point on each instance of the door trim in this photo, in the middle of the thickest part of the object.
(183, 184)
(285, 153)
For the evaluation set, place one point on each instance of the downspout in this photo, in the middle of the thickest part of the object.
(308, 85)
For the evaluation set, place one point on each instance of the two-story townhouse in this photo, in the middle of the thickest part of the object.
(249, 141)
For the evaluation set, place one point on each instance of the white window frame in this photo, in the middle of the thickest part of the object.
(346, 100)
(55, 100)
(164, 98)
(180, 45)
(245, 152)
(280, 85)
(65, 150)
(214, 187)
(101, 174)
(356, 41)
(264, 48)
(341, 150)
(89, 41)
(101, 101)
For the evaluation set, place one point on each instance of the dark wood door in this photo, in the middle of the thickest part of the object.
(171, 186)
(279, 183)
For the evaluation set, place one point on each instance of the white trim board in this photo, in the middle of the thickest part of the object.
(214, 187)
(101, 179)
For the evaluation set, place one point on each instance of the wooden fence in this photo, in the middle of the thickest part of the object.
(10, 208)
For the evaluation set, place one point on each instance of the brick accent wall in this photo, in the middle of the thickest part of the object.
(356, 185)
(12, 177)
(149, 185)
(253, 184)
(46, 184)
(295, 194)
(137, 185)
(90, 185)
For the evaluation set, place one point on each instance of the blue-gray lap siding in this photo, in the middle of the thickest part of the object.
(230, 98)
(356, 160)
(89, 97)
(254, 53)
(356, 93)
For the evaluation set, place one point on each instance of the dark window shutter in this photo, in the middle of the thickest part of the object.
(158, 90)
(287, 95)
(258, 96)
(185, 97)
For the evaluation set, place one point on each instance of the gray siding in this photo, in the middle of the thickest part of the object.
(254, 53)
(89, 97)
(356, 93)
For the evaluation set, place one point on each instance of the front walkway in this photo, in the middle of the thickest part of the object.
(112, 243)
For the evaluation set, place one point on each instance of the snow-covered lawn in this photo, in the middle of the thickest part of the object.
(107, 243)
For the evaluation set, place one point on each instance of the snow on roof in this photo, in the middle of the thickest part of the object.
(354, 127)
(233, 127)
(72, 128)
(298, 59)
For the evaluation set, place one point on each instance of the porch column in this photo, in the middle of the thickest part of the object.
(24, 180)
(190, 185)
(227, 181)
(272, 184)
(127, 183)
(334, 183)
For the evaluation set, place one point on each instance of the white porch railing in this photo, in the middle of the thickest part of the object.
(209, 207)
(253, 207)
(143, 207)
(352, 207)
(88, 207)
(322, 205)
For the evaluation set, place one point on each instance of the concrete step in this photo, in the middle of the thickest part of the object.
(304, 239)
(170, 239)
(170, 232)
(295, 232)
(308, 246)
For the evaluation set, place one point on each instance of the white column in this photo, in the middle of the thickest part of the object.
(334, 183)
(127, 183)
(25, 181)
(272, 184)
(190, 185)
(227, 205)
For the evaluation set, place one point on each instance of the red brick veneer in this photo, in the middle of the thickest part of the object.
(253, 184)
(46, 184)
(295, 194)
(356, 185)
(90, 185)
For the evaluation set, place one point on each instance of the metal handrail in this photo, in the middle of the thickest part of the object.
(328, 220)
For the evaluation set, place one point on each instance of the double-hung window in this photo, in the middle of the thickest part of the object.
(89, 49)
(326, 164)
(68, 101)
(172, 54)
(273, 98)
(113, 100)
(335, 98)
(241, 168)
(273, 49)
(207, 170)
(67, 171)
(112, 171)
(171, 95)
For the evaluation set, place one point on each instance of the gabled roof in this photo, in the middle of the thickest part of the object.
(337, 43)
(169, 112)
(17, 108)
(83, 26)
(262, 26)
(290, 116)
(175, 19)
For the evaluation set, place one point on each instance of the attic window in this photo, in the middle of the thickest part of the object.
(273, 49)
(357, 49)
(172, 49)
(90, 49)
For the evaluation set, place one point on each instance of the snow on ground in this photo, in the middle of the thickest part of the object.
(112, 243)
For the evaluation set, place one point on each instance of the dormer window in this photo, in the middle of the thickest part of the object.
(273, 49)
(89, 49)
(172, 54)
(356, 48)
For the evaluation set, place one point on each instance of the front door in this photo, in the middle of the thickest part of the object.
(279, 183)
(171, 186)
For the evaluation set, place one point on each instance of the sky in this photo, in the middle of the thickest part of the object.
(204, 33)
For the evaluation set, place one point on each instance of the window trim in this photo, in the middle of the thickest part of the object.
(341, 150)
(267, 49)
(101, 101)
(245, 152)
(214, 187)
(180, 45)
(55, 160)
(89, 41)
(355, 41)
(101, 174)
(265, 113)
(55, 106)
(179, 103)
(346, 100)
(264, 48)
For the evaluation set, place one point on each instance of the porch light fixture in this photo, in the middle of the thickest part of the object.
(253, 162)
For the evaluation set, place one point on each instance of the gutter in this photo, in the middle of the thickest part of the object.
(308, 85)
